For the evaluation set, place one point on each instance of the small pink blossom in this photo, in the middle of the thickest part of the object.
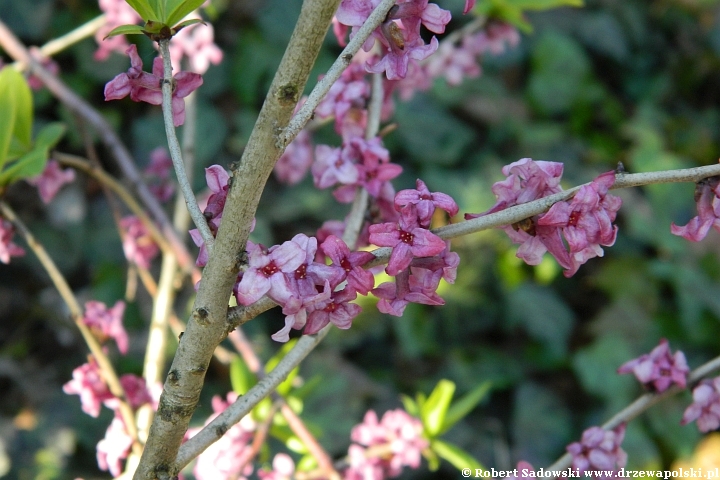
(136, 392)
(117, 12)
(402, 433)
(294, 163)
(705, 408)
(599, 449)
(107, 322)
(708, 207)
(115, 447)
(230, 456)
(7, 247)
(331, 307)
(265, 274)
(659, 369)
(51, 180)
(283, 468)
(197, 43)
(87, 382)
(146, 87)
(159, 176)
(425, 202)
(408, 241)
(469, 5)
(138, 244)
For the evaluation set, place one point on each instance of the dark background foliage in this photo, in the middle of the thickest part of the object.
(618, 80)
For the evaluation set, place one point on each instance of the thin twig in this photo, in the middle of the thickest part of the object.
(167, 90)
(76, 312)
(104, 178)
(14, 48)
(303, 115)
(643, 403)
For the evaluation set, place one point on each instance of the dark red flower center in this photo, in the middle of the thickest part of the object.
(407, 237)
(270, 269)
(301, 272)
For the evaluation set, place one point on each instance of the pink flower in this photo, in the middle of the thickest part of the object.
(283, 468)
(295, 162)
(408, 241)
(332, 167)
(586, 221)
(138, 245)
(197, 43)
(599, 449)
(117, 12)
(217, 180)
(115, 447)
(425, 202)
(705, 408)
(107, 323)
(159, 177)
(7, 247)
(399, 431)
(146, 87)
(331, 307)
(87, 382)
(659, 369)
(359, 279)
(136, 392)
(51, 180)
(266, 273)
(469, 5)
(527, 180)
(229, 456)
(708, 207)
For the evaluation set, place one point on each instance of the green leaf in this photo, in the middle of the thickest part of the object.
(410, 405)
(50, 135)
(178, 9)
(458, 410)
(29, 165)
(241, 378)
(186, 23)
(125, 30)
(433, 411)
(16, 113)
(144, 9)
(457, 457)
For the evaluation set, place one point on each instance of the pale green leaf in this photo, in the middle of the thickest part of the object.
(436, 406)
(178, 9)
(241, 378)
(458, 410)
(29, 165)
(145, 9)
(186, 23)
(50, 135)
(457, 457)
(125, 30)
(410, 405)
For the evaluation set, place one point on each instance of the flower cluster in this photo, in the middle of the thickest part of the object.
(147, 87)
(230, 456)
(88, 383)
(138, 245)
(708, 206)
(107, 322)
(456, 61)
(419, 258)
(283, 468)
(399, 35)
(396, 442)
(705, 408)
(599, 449)
(51, 180)
(158, 174)
(659, 369)
(7, 247)
(117, 12)
(573, 232)
(309, 291)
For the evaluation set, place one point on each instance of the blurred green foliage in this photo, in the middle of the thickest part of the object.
(630, 81)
